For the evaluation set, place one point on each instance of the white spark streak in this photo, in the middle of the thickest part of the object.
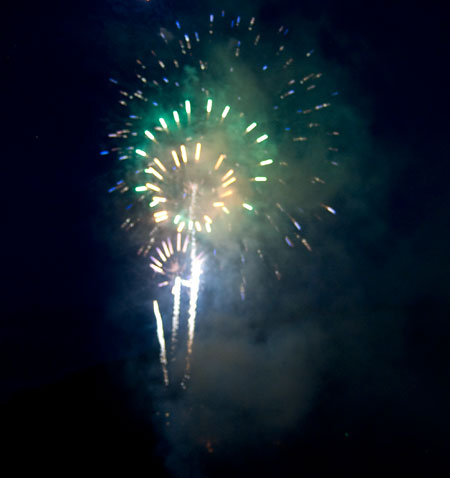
(162, 343)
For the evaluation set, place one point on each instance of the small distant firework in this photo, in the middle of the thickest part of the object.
(217, 117)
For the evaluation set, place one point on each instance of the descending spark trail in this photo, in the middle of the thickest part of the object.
(219, 148)
(196, 271)
(162, 342)
(176, 291)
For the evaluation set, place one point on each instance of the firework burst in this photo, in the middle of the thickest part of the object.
(215, 119)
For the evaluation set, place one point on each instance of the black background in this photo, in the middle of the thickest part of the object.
(68, 396)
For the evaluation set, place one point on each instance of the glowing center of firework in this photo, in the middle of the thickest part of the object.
(195, 189)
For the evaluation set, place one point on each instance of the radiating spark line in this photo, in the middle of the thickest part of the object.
(187, 106)
(251, 127)
(166, 249)
(226, 193)
(198, 150)
(153, 187)
(169, 243)
(159, 164)
(176, 117)
(175, 159)
(225, 112)
(183, 153)
(162, 342)
(141, 153)
(328, 208)
(155, 260)
(262, 138)
(230, 181)
(219, 162)
(150, 136)
(160, 253)
(163, 124)
(227, 175)
(154, 172)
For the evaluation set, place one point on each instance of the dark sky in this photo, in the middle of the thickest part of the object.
(353, 373)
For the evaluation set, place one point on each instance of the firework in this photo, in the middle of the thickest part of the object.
(217, 117)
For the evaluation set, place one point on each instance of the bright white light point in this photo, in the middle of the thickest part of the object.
(266, 162)
(208, 220)
(198, 149)
(140, 189)
(225, 210)
(141, 153)
(247, 206)
(190, 225)
(209, 105)
(260, 179)
(181, 226)
(250, 127)
(176, 117)
(163, 123)
(198, 226)
(262, 138)
(149, 135)
(183, 153)
(218, 204)
(177, 219)
(175, 158)
(208, 227)
(160, 213)
(225, 112)
(161, 218)
(187, 105)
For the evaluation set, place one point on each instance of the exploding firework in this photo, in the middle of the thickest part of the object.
(215, 148)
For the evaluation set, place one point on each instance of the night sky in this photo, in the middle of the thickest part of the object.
(344, 369)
